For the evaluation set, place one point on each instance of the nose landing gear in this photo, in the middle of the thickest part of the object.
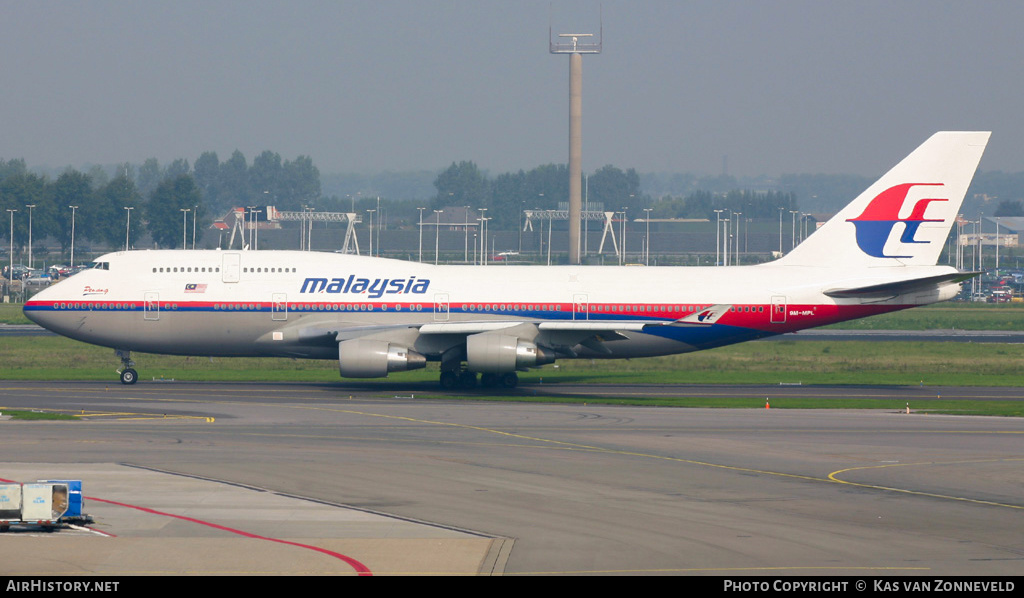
(128, 374)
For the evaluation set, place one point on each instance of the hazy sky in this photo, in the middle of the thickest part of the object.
(364, 86)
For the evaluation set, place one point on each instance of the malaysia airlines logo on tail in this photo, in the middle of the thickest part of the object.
(876, 222)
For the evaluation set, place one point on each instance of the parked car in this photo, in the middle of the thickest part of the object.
(20, 270)
(38, 277)
(59, 271)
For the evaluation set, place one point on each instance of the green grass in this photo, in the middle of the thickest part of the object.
(945, 316)
(784, 361)
(805, 362)
(10, 313)
(936, 406)
(36, 415)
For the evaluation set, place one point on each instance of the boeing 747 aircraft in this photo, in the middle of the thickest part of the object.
(376, 316)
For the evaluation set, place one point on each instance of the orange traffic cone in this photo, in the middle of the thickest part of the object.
(766, 405)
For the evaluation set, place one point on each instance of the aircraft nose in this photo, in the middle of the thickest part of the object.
(41, 309)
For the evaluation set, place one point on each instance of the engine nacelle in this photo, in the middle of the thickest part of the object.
(365, 358)
(500, 354)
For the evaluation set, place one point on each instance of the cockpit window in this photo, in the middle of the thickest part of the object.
(101, 265)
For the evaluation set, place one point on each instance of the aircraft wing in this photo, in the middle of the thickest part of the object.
(900, 287)
(561, 334)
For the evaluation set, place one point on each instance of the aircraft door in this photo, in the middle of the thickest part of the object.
(231, 267)
(279, 306)
(778, 315)
(151, 306)
(580, 307)
(440, 307)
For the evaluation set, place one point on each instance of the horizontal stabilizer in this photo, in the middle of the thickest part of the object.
(900, 287)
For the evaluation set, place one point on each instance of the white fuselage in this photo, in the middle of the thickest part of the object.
(290, 303)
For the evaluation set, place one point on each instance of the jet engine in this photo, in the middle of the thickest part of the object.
(365, 358)
(500, 353)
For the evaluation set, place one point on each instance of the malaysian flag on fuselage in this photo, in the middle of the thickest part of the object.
(195, 288)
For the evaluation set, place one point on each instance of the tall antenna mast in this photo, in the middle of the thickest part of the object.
(575, 44)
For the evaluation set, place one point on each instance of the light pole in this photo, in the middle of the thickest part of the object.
(483, 241)
(127, 226)
(725, 242)
(309, 233)
(647, 237)
(421, 233)
(249, 220)
(255, 228)
(195, 215)
(465, 227)
(718, 235)
(550, 223)
(73, 208)
(739, 222)
(981, 245)
(370, 212)
(483, 237)
(437, 233)
(10, 268)
(781, 209)
(184, 221)
(793, 237)
(997, 245)
(30, 207)
(622, 258)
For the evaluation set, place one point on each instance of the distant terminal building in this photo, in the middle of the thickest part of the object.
(990, 231)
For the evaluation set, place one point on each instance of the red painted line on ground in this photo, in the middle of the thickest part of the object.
(360, 568)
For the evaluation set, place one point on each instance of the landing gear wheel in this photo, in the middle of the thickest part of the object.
(467, 379)
(510, 380)
(488, 380)
(129, 376)
(449, 380)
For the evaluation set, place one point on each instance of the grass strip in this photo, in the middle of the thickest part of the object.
(777, 362)
(18, 414)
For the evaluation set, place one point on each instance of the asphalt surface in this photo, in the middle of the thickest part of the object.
(337, 479)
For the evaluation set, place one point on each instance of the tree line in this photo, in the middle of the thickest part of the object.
(544, 187)
(156, 197)
(157, 194)
(608, 188)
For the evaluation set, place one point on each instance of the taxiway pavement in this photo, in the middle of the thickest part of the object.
(424, 486)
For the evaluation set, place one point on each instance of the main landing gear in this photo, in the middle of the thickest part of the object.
(466, 379)
(128, 374)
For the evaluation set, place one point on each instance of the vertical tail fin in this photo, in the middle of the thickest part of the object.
(905, 216)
